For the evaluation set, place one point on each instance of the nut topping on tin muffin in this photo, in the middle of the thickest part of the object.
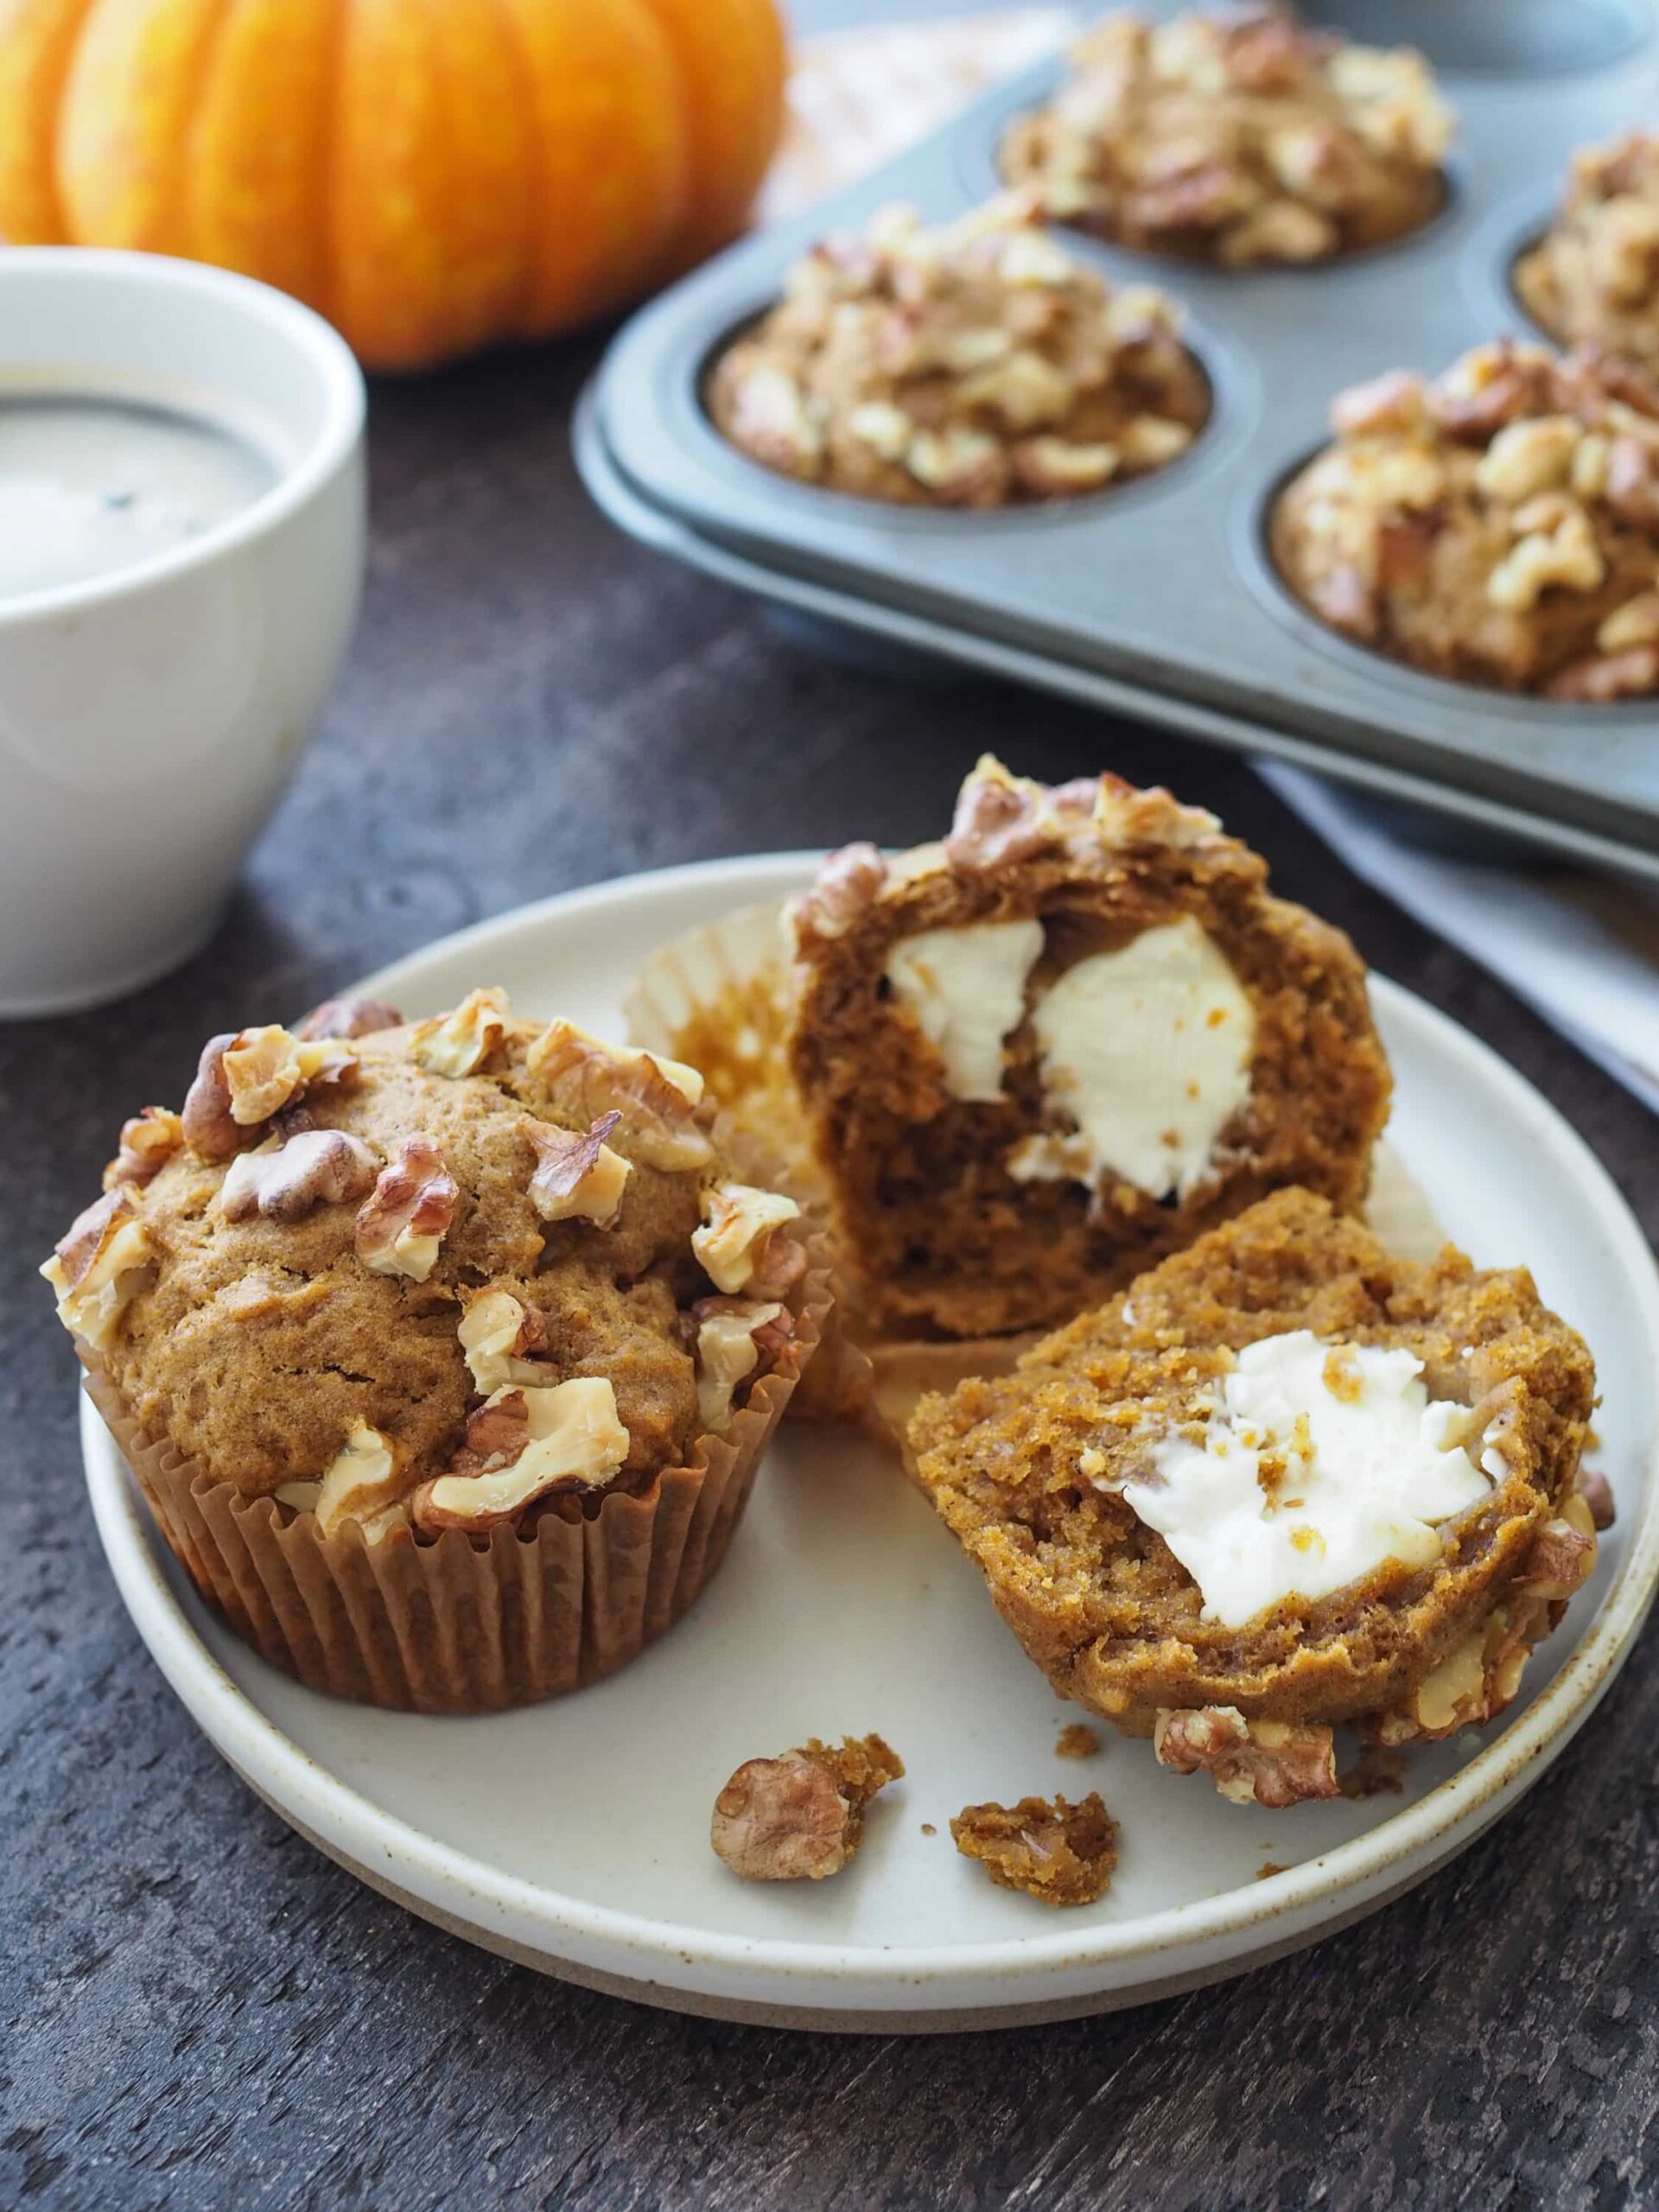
(1034, 1059)
(1239, 136)
(407, 1278)
(972, 366)
(1593, 278)
(1287, 1481)
(1499, 523)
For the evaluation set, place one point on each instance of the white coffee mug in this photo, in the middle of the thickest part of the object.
(150, 717)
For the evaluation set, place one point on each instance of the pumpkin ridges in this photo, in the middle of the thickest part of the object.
(535, 196)
(37, 43)
(733, 63)
(256, 149)
(615, 158)
(481, 139)
(125, 106)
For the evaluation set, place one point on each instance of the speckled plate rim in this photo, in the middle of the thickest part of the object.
(1042, 1974)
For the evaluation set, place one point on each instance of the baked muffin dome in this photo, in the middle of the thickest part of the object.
(1237, 136)
(1033, 1060)
(1422, 1425)
(1498, 524)
(1593, 278)
(440, 1274)
(972, 365)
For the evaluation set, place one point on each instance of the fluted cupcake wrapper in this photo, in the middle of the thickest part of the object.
(455, 1623)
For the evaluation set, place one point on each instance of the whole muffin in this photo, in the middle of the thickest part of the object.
(1237, 136)
(974, 365)
(1594, 277)
(474, 1308)
(1284, 1481)
(1499, 523)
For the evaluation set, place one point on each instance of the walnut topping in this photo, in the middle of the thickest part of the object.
(262, 1072)
(998, 818)
(655, 1097)
(347, 1017)
(1563, 1555)
(283, 1182)
(577, 1177)
(499, 1335)
(458, 1044)
(523, 1445)
(800, 1815)
(210, 1128)
(100, 1266)
(408, 1212)
(848, 886)
(1056, 1852)
(736, 1339)
(1598, 1494)
(247, 1076)
(1271, 1762)
(740, 1222)
(148, 1142)
(363, 1479)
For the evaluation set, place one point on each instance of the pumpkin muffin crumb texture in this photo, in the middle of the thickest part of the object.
(1053, 1850)
(1029, 1470)
(1237, 136)
(1078, 1741)
(973, 365)
(800, 1816)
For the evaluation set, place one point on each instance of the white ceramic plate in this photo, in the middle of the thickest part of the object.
(575, 1835)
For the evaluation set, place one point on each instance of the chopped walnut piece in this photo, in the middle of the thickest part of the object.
(210, 1128)
(245, 1076)
(736, 1339)
(408, 1215)
(283, 1182)
(365, 1477)
(1271, 1762)
(1056, 1852)
(458, 1044)
(523, 1445)
(148, 1142)
(347, 1017)
(1601, 678)
(100, 1266)
(498, 1335)
(577, 1176)
(1598, 1494)
(999, 819)
(1563, 1554)
(739, 1222)
(800, 1816)
(848, 886)
(263, 1071)
(655, 1097)
(1077, 1741)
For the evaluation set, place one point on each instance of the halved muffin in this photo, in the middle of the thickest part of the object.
(1286, 1481)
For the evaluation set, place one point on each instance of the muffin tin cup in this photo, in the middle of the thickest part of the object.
(458, 1626)
(1154, 595)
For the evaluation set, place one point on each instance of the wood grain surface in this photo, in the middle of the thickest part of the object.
(201, 2012)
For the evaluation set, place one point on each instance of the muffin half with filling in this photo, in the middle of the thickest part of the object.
(445, 1353)
(1286, 1481)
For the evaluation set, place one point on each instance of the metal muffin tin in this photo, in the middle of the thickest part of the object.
(1159, 598)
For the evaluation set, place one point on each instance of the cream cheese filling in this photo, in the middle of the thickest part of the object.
(1317, 1463)
(966, 988)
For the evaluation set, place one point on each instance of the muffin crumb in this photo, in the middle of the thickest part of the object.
(801, 1816)
(1056, 1852)
(1375, 1773)
(1078, 1741)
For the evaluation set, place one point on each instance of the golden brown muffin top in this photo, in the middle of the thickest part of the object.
(970, 365)
(457, 1267)
(1594, 275)
(1237, 135)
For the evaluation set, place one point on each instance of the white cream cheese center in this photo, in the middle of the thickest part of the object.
(1318, 1462)
(1148, 1050)
(967, 989)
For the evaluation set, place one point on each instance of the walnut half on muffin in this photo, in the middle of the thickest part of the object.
(1498, 524)
(972, 366)
(1237, 135)
(1593, 278)
(1286, 1481)
(472, 1274)
(1033, 1058)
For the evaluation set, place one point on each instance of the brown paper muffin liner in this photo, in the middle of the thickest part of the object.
(718, 996)
(459, 1624)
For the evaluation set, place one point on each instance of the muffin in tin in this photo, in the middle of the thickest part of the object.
(444, 1350)
(978, 364)
(1286, 1481)
(1593, 277)
(1239, 136)
(1498, 524)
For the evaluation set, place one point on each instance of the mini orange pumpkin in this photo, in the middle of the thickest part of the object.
(432, 175)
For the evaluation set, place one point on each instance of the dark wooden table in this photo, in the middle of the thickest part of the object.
(202, 2011)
